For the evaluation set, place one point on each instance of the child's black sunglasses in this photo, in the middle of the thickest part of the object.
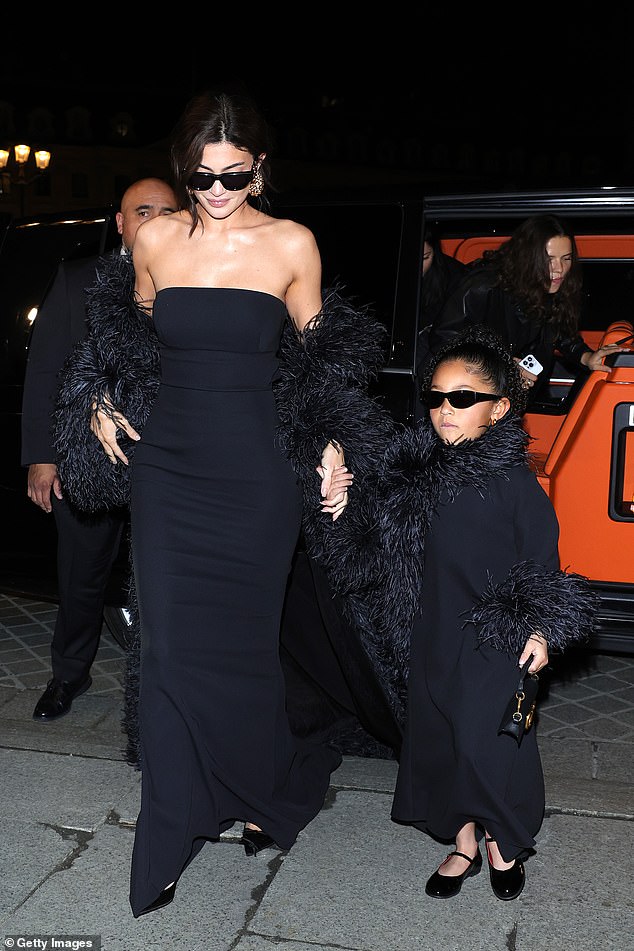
(232, 181)
(459, 399)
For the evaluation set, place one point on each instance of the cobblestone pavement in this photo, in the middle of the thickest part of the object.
(26, 629)
(586, 695)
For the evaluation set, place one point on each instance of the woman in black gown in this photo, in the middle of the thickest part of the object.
(216, 507)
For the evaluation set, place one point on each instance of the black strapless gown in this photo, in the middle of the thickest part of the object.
(215, 515)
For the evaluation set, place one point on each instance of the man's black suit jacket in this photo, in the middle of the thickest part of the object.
(60, 324)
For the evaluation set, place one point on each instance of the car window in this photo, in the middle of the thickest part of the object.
(29, 256)
(608, 293)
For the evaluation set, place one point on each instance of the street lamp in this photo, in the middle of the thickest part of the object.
(21, 153)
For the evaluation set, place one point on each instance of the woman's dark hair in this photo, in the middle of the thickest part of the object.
(492, 359)
(523, 270)
(436, 280)
(209, 118)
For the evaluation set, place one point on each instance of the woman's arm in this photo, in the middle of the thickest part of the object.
(575, 348)
(304, 303)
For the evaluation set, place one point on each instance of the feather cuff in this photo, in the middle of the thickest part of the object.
(533, 599)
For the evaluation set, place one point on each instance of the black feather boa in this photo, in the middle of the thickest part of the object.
(119, 360)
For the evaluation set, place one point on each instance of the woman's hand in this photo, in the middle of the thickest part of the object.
(537, 645)
(335, 480)
(528, 379)
(593, 360)
(104, 424)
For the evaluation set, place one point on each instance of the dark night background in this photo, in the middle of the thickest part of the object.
(499, 96)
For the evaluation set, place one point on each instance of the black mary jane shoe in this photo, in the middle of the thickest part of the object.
(446, 886)
(507, 883)
(254, 841)
(164, 899)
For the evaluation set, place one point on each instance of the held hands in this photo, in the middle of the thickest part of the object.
(104, 424)
(42, 479)
(335, 481)
(536, 645)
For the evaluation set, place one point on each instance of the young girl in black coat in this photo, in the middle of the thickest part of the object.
(447, 563)
(491, 596)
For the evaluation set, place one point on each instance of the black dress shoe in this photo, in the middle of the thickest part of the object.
(254, 841)
(507, 883)
(58, 698)
(446, 886)
(164, 899)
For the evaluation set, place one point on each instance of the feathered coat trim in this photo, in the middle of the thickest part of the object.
(117, 361)
(559, 605)
(375, 562)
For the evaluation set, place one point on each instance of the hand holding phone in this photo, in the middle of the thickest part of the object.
(532, 364)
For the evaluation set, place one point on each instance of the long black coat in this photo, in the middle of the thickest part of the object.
(454, 767)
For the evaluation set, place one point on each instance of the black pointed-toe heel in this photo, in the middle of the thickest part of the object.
(254, 841)
(446, 886)
(506, 883)
(164, 898)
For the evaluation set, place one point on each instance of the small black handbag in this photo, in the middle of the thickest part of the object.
(520, 710)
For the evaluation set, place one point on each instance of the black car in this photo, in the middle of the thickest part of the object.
(372, 244)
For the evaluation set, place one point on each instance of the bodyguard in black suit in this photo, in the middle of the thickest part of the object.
(87, 545)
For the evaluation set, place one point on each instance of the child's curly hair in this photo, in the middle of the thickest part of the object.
(487, 352)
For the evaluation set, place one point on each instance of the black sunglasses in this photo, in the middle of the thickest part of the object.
(459, 399)
(232, 181)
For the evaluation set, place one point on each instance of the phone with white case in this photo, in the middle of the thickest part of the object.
(532, 364)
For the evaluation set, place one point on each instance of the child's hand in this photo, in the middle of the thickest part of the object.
(536, 645)
(337, 498)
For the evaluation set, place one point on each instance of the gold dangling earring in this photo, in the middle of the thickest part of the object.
(257, 183)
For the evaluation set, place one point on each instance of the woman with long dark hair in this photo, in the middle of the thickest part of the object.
(529, 292)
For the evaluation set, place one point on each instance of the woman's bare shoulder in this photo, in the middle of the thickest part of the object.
(293, 232)
(163, 227)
